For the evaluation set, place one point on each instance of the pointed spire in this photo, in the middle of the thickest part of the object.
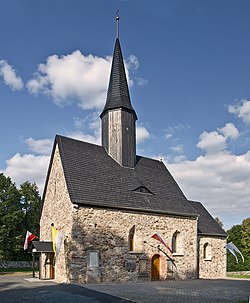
(118, 93)
(118, 116)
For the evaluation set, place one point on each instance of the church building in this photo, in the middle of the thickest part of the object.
(108, 202)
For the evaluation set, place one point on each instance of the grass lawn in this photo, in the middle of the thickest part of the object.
(239, 276)
(15, 269)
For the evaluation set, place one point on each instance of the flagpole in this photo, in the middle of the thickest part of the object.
(159, 249)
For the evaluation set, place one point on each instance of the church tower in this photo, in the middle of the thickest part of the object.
(118, 116)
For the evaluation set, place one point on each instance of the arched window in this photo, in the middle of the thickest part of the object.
(176, 242)
(207, 251)
(131, 239)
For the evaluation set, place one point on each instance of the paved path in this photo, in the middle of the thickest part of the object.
(192, 291)
(20, 288)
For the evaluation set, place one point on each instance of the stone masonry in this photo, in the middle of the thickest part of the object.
(57, 209)
(96, 249)
(107, 231)
(214, 265)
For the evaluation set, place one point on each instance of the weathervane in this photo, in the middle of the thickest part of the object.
(117, 23)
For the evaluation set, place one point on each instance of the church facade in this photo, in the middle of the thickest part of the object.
(108, 202)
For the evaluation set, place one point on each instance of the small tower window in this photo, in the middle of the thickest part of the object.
(131, 239)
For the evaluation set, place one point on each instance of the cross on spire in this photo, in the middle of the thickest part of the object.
(117, 24)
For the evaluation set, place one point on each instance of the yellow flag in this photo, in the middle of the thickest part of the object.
(54, 232)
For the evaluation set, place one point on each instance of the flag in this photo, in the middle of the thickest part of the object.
(232, 248)
(57, 238)
(54, 233)
(29, 237)
(159, 237)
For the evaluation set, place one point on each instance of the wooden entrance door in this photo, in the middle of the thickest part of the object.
(155, 267)
(51, 266)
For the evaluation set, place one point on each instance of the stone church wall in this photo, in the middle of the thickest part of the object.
(96, 249)
(212, 257)
(106, 232)
(57, 209)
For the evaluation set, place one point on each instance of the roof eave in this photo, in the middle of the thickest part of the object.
(118, 107)
(225, 235)
(176, 214)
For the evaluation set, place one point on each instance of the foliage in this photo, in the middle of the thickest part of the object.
(219, 222)
(16, 270)
(240, 236)
(19, 212)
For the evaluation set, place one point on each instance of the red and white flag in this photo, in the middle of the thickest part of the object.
(29, 237)
(159, 237)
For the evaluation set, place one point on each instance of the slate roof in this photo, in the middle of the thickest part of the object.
(118, 93)
(42, 246)
(95, 179)
(206, 223)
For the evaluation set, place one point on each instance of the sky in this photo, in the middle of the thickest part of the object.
(187, 65)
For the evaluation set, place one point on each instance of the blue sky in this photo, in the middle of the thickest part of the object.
(188, 66)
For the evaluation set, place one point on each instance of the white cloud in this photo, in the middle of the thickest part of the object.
(27, 167)
(142, 134)
(212, 142)
(229, 131)
(79, 135)
(9, 75)
(73, 78)
(76, 78)
(178, 148)
(241, 110)
(216, 141)
(219, 179)
(42, 146)
(87, 129)
(221, 182)
(132, 63)
(140, 81)
(168, 136)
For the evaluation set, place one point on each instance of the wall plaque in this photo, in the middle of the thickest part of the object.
(93, 258)
(130, 265)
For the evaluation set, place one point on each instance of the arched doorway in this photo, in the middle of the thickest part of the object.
(155, 267)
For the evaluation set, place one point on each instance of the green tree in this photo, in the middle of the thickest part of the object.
(219, 222)
(19, 212)
(240, 236)
(31, 202)
(246, 235)
(11, 218)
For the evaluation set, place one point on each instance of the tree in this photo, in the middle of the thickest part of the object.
(219, 222)
(240, 236)
(19, 212)
(31, 201)
(246, 235)
(11, 216)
